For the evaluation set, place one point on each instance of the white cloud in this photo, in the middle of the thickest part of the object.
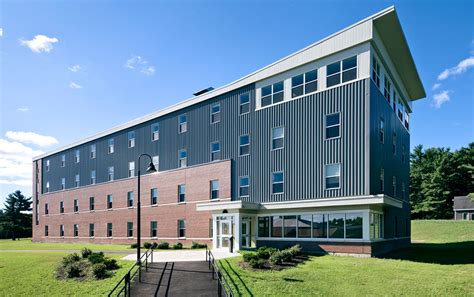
(1, 32)
(31, 138)
(22, 109)
(440, 98)
(140, 64)
(40, 43)
(462, 67)
(73, 85)
(436, 86)
(75, 68)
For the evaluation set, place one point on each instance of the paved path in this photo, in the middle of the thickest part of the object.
(183, 255)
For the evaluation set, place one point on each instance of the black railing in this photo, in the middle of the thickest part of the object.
(223, 288)
(123, 285)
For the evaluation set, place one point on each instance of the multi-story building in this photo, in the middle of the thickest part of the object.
(312, 149)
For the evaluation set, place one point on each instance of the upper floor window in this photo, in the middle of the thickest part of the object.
(77, 181)
(341, 71)
(61, 207)
(407, 120)
(182, 158)
(92, 177)
(403, 153)
(272, 94)
(111, 173)
(130, 199)
(63, 160)
(76, 205)
(91, 203)
(154, 196)
(46, 209)
(63, 183)
(382, 180)
(277, 182)
(387, 90)
(244, 145)
(182, 123)
(214, 189)
(215, 151)
(77, 156)
(333, 125)
(394, 143)
(111, 146)
(47, 186)
(278, 138)
(131, 169)
(376, 71)
(155, 132)
(215, 113)
(47, 165)
(156, 162)
(244, 103)
(394, 186)
(131, 139)
(110, 201)
(181, 193)
(92, 150)
(382, 131)
(304, 83)
(244, 184)
(181, 228)
(333, 174)
(400, 108)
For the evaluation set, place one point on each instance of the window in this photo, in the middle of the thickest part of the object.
(244, 145)
(91, 203)
(333, 124)
(387, 90)
(131, 139)
(400, 109)
(92, 151)
(63, 160)
(76, 230)
(153, 229)
(130, 199)
(111, 173)
(111, 146)
(46, 230)
(109, 230)
(63, 183)
(47, 187)
(394, 143)
(244, 186)
(131, 169)
(335, 76)
(376, 71)
(304, 226)
(46, 209)
(407, 120)
(182, 158)
(382, 131)
(156, 162)
(214, 189)
(91, 230)
(289, 226)
(77, 181)
(47, 165)
(354, 225)
(272, 94)
(320, 226)
(215, 151)
(403, 153)
(154, 196)
(110, 200)
(181, 193)
(336, 225)
(155, 132)
(277, 182)
(264, 227)
(403, 190)
(304, 83)
(61, 207)
(92, 177)
(278, 138)
(244, 103)
(130, 229)
(382, 180)
(276, 226)
(61, 230)
(333, 173)
(181, 228)
(77, 156)
(76, 205)
(394, 186)
(182, 124)
(215, 113)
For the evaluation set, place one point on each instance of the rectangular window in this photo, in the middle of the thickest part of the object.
(387, 90)
(91, 230)
(182, 158)
(272, 94)
(63, 183)
(320, 226)
(376, 71)
(46, 209)
(335, 76)
(304, 226)
(354, 225)
(215, 113)
(181, 228)
(76, 205)
(214, 189)
(111, 146)
(403, 153)
(156, 162)
(407, 120)
(154, 196)
(77, 181)
(61, 230)
(289, 226)
(336, 225)
(264, 227)
(131, 139)
(130, 229)
(394, 186)
(349, 69)
(276, 226)
(244, 186)
(181, 193)
(382, 180)
(130, 199)
(110, 201)
(46, 230)
(277, 182)
(400, 109)
(109, 230)
(155, 132)
(47, 165)
(244, 145)
(244, 103)
(215, 151)
(61, 207)
(394, 144)
(111, 173)
(77, 156)
(382, 131)
(278, 138)
(92, 151)
(333, 125)
(76, 230)
(131, 169)
(153, 229)
(63, 160)
(333, 174)
(304, 83)
(91, 203)
(92, 177)
(182, 123)
(47, 187)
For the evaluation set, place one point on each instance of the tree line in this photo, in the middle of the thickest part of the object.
(15, 218)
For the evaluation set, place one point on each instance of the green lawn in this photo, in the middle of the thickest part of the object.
(27, 244)
(443, 265)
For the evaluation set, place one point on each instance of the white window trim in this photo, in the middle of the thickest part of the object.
(214, 113)
(326, 127)
(272, 138)
(325, 177)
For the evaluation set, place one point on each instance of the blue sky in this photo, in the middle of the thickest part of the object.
(71, 69)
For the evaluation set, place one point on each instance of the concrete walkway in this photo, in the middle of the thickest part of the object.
(184, 255)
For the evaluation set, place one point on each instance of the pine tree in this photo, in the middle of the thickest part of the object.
(14, 218)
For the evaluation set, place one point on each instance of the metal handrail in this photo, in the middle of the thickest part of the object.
(222, 284)
(128, 277)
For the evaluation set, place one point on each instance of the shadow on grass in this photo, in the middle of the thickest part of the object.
(236, 274)
(449, 253)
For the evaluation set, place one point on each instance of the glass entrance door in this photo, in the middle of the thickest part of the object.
(225, 227)
(245, 238)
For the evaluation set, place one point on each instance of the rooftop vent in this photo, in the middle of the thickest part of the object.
(200, 92)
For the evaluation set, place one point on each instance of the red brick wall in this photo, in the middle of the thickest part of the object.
(166, 213)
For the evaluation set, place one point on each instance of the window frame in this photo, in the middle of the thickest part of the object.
(91, 230)
(92, 151)
(274, 183)
(77, 181)
(47, 165)
(77, 156)
(326, 176)
(110, 230)
(111, 146)
(215, 116)
(63, 160)
(182, 125)
(181, 193)
(155, 133)
(131, 169)
(182, 161)
(382, 130)
(272, 94)
(154, 196)
(278, 138)
(244, 186)
(154, 229)
(76, 230)
(181, 228)
(375, 71)
(130, 199)
(130, 229)
(245, 105)
(110, 201)
(326, 127)
(131, 139)
(91, 203)
(244, 145)
(215, 155)
(212, 189)
(63, 183)
(111, 173)
(76, 205)
(93, 177)
(304, 83)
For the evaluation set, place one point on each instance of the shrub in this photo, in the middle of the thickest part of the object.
(280, 256)
(257, 263)
(163, 245)
(69, 259)
(265, 252)
(197, 245)
(99, 270)
(154, 245)
(111, 264)
(76, 269)
(96, 258)
(147, 245)
(134, 245)
(86, 252)
(295, 250)
(250, 256)
(178, 246)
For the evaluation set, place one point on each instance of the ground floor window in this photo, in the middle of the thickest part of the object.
(153, 229)
(91, 230)
(263, 226)
(376, 225)
(130, 229)
(181, 228)
(109, 230)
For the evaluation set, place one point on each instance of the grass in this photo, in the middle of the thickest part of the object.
(27, 244)
(443, 265)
